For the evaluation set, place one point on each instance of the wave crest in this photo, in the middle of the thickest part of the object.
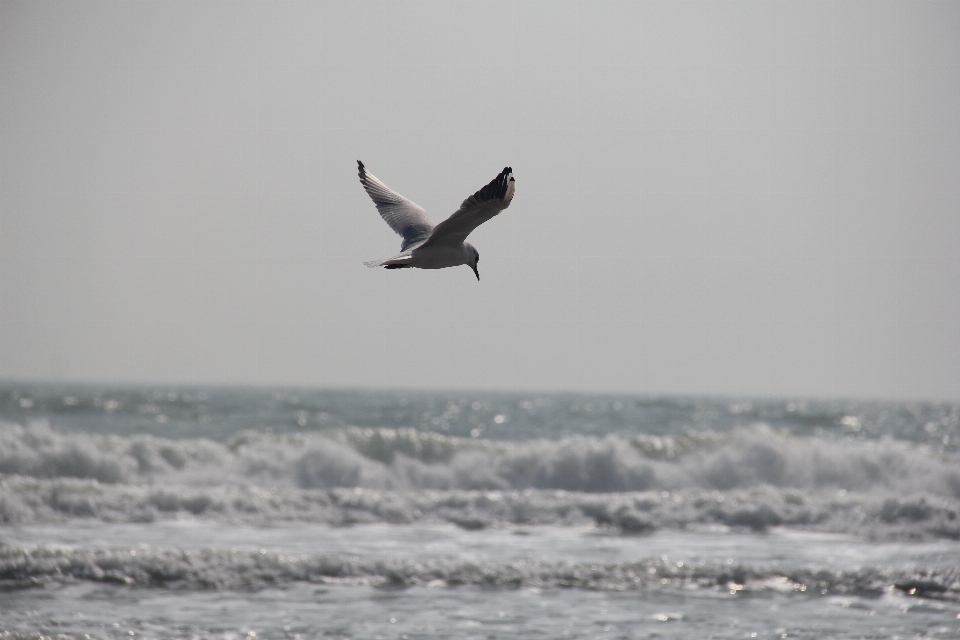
(404, 459)
(751, 478)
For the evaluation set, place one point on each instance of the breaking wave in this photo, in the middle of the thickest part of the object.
(409, 459)
(751, 477)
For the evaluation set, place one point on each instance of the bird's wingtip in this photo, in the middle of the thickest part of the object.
(500, 187)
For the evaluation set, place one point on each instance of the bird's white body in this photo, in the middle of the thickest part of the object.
(426, 246)
(437, 257)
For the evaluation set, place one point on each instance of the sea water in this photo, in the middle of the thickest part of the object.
(297, 513)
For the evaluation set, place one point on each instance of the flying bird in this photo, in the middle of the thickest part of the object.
(426, 246)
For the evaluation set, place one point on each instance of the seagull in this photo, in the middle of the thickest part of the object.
(426, 246)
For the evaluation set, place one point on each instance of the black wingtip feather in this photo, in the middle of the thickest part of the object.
(497, 187)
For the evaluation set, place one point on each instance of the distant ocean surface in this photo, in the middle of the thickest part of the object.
(242, 513)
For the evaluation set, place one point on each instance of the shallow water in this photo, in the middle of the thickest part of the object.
(585, 544)
(467, 612)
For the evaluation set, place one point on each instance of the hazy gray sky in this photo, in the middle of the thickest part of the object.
(756, 198)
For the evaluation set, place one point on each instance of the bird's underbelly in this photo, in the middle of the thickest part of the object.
(437, 257)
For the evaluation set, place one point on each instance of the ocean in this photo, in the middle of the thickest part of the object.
(190, 512)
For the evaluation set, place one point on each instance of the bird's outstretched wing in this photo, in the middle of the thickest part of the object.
(405, 217)
(475, 210)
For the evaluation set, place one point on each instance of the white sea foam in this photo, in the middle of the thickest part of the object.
(408, 459)
(817, 505)
(751, 478)
(233, 569)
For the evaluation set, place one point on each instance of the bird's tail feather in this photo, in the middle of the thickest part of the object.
(396, 262)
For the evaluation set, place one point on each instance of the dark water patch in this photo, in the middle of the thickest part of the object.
(221, 412)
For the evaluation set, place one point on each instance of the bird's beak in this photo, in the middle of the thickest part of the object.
(476, 272)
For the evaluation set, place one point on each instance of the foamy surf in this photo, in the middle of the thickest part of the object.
(236, 569)
(227, 513)
(750, 478)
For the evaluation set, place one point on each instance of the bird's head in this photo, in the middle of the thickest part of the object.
(473, 258)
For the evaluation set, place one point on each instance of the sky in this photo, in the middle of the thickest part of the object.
(723, 198)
